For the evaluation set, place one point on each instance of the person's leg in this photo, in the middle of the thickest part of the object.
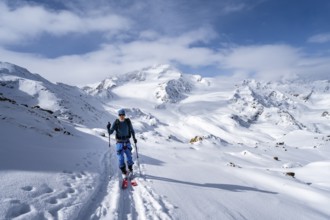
(121, 159)
(128, 152)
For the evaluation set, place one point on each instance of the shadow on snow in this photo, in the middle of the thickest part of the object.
(229, 187)
(149, 160)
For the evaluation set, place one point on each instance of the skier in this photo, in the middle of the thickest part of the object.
(124, 131)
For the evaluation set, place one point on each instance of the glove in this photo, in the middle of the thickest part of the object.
(134, 139)
(108, 126)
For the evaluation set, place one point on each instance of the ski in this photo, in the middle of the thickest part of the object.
(128, 178)
(134, 183)
(132, 179)
(124, 184)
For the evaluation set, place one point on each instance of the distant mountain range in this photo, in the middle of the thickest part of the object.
(250, 105)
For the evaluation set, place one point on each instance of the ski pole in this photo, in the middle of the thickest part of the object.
(137, 158)
(136, 150)
(108, 127)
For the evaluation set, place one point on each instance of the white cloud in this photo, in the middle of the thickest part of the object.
(320, 38)
(275, 62)
(262, 57)
(268, 62)
(148, 35)
(230, 8)
(118, 58)
(28, 22)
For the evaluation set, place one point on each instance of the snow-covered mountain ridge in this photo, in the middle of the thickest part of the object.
(207, 146)
(285, 105)
(34, 91)
(169, 85)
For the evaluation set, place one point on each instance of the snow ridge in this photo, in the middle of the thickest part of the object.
(173, 90)
(274, 102)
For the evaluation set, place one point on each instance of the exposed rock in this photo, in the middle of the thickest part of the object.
(325, 114)
(231, 164)
(195, 139)
(290, 174)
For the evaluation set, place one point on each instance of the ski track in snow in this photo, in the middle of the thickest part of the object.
(136, 202)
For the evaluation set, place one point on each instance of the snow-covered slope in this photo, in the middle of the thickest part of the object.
(46, 163)
(209, 148)
(33, 91)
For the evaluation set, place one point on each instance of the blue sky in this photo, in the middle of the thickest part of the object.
(82, 41)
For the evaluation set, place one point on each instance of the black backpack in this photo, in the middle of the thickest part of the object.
(129, 124)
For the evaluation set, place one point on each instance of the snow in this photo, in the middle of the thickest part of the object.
(209, 148)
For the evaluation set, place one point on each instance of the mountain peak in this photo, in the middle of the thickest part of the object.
(14, 70)
(162, 71)
(155, 72)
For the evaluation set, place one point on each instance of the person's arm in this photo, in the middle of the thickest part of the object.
(110, 128)
(133, 132)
